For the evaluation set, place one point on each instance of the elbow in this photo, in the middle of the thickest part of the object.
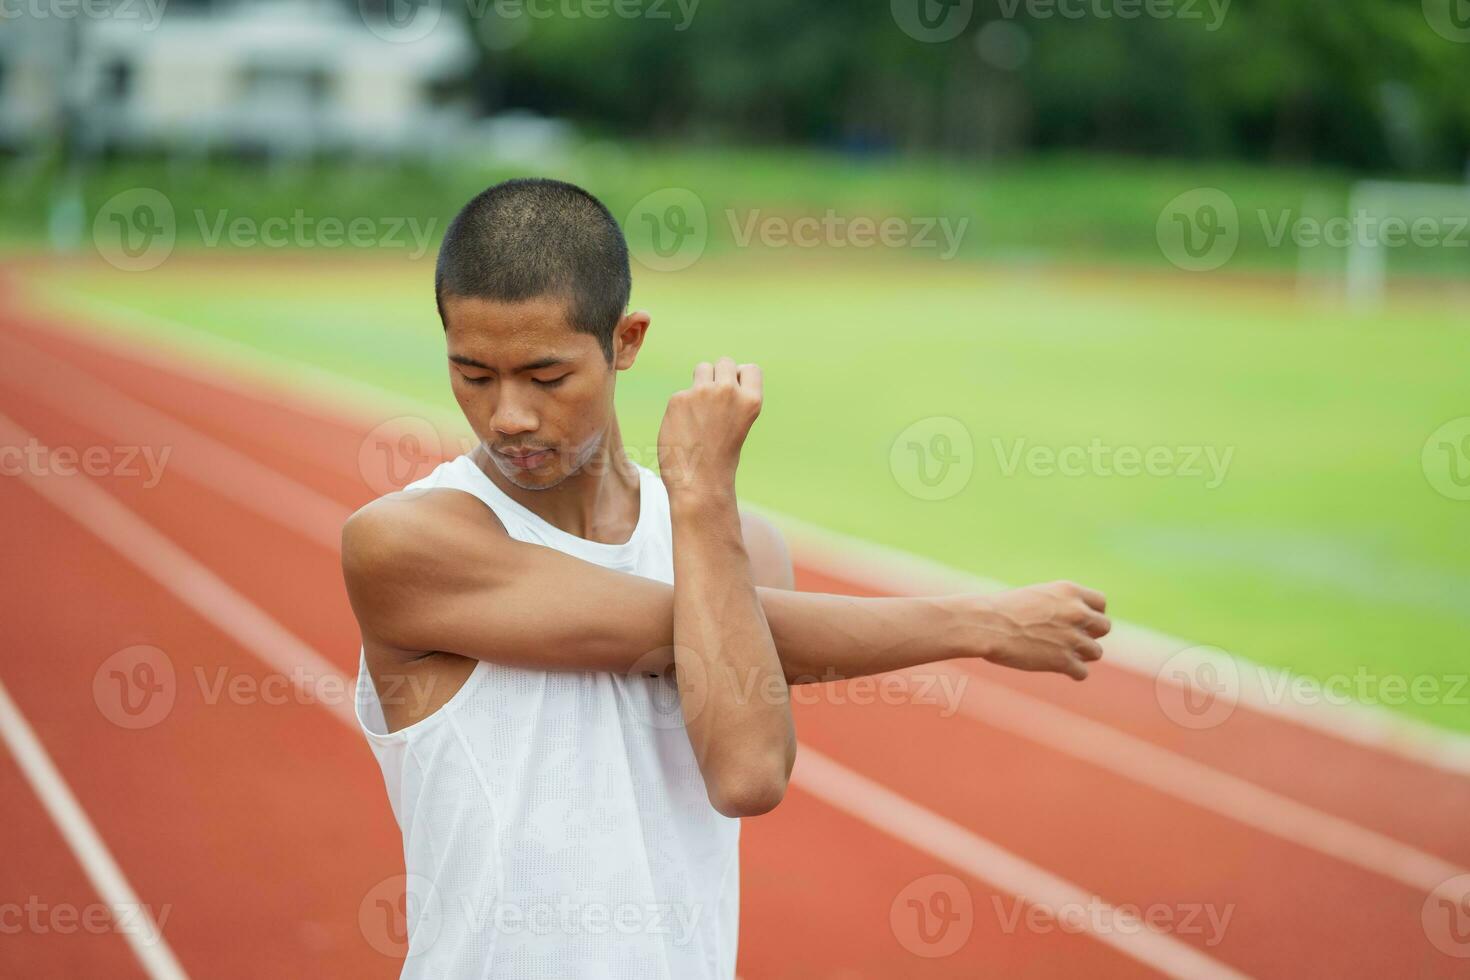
(748, 798)
(753, 791)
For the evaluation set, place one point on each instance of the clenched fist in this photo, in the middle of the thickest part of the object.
(1053, 627)
(705, 425)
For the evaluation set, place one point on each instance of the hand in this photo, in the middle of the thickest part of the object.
(706, 424)
(1052, 627)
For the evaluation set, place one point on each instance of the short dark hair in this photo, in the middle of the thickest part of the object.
(533, 237)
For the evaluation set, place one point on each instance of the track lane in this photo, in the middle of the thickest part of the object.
(259, 883)
(45, 926)
(1300, 763)
(839, 589)
(885, 956)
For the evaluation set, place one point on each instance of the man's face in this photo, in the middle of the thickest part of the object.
(538, 394)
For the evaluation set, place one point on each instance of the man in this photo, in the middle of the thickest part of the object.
(575, 672)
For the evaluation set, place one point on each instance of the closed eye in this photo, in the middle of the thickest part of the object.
(484, 380)
(552, 383)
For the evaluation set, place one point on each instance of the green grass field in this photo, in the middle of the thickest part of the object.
(1321, 547)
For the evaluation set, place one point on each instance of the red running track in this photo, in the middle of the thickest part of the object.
(257, 819)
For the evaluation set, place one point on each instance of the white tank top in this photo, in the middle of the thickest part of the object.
(555, 824)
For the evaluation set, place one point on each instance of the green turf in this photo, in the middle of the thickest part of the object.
(1324, 550)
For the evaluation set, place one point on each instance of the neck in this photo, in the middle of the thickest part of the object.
(599, 502)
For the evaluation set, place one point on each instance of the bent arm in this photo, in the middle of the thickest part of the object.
(732, 689)
(434, 575)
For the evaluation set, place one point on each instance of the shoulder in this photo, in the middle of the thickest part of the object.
(411, 529)
(770, 558)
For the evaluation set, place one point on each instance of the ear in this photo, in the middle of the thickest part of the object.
(628, 339)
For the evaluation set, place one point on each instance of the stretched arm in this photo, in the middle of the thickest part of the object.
(434, 571)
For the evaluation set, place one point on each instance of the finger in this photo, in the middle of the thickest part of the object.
(1090, 650)
(1097, 624)
(704, 373)
(1093, 598)
(725, 371)
(751, 378)
(1077, 670)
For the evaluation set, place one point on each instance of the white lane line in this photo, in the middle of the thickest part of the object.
(132, 333)
(1204, 786)
(207, 461)
(237, 617)
(1194, 782)
(1139, 649)
(131, 917)
(186, 578)
(926, 831)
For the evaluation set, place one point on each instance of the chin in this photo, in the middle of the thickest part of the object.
(541, 478)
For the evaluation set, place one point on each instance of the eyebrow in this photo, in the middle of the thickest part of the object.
(544, 362)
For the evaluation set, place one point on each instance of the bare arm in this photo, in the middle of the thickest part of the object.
(435, 571)
(732, 690)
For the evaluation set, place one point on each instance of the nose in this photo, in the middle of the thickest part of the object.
(512, 417)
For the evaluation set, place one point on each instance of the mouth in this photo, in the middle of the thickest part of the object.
(526, 460)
